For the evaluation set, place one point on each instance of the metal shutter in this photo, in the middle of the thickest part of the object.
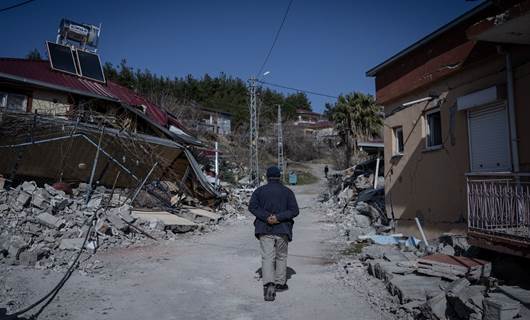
(489, 139)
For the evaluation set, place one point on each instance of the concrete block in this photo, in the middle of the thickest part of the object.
(28, 186)
(15, 246)
(117, 222)
(516, 293)
(30, 257)
(41, 199)
(435, 308)
(71, 244)
(468, 303)
(23, 198)
(362, 221)
(414, 288)
(49, 221)
(3, 208)
(498, 306)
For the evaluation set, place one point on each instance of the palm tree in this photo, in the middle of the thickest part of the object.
(356, 116)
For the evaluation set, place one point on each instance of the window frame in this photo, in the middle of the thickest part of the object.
(427, 130)
(395, 140)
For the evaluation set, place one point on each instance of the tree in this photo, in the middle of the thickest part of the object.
(34, 55)
(356, 116)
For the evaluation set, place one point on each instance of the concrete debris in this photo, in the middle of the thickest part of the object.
(452, 267)
(71, 244)
(49, 221)
(498, 306)
(41, 226)
(440, 282)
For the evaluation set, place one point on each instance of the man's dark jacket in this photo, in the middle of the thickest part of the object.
(273, 198)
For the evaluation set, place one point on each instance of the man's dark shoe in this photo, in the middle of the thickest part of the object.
(281, 287)
(269, 292)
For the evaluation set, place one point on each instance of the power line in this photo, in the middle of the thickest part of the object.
(296, 89)
(16, 5)
(275, 38)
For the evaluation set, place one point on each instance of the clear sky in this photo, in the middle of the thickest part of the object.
(325, 45)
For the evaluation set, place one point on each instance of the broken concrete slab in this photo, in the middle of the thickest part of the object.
(362, 221)
(41, 199)
(498, 306)
(517, 293)
(452, 267)
(415, 288)
(171, 221)
(468, 302)
(435, 308)
(30, 257)
(28, 186)
(203, 216)
(71, 244)
(117, 222)
(49, 221)
(23, 199)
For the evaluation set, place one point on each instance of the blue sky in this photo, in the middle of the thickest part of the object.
(325, 46)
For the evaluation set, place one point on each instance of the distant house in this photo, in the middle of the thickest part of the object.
(456, 135)
(214, 121)
(307, 117)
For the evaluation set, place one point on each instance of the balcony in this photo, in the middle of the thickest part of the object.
(499, 211)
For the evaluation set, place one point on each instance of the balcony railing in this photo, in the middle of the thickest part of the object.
(499, 204)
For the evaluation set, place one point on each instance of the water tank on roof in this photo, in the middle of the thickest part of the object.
(83, 34)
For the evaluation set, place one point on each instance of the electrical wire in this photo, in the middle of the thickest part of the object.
(275, 38)
(70, 270)
(299, 90)
(16, 5)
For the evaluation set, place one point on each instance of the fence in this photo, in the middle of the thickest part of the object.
(499, 205)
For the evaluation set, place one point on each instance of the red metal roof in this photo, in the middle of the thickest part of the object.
(41, 72)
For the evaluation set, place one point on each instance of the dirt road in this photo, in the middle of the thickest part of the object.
(207, 277)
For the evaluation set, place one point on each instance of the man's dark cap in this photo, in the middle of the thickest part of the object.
(273, 172)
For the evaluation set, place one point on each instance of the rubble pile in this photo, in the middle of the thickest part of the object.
(440, 286)
(236, 204)
(401, 274)
(41, 227)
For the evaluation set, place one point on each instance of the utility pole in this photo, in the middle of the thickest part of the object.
(254, 166)
(281, 163)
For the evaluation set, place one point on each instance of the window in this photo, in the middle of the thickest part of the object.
(13, 102)
(399, 146)
(433, 129)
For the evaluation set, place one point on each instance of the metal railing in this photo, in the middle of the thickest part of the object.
(499, 204)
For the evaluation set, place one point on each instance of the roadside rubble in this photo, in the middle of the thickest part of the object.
(42, 227)
(400, 274)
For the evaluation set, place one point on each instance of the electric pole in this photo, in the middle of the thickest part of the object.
(281, 163)
(254, 166)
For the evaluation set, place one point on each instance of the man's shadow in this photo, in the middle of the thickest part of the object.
(290, 273)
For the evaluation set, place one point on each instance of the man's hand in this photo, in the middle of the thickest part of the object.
(272, 219)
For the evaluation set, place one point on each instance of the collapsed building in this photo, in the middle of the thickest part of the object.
(59, 126)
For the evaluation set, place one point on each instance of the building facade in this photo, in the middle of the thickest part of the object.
(457, 146)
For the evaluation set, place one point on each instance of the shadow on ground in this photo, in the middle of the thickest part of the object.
(290, 273)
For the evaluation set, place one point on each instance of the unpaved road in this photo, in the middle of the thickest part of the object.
(207, 277)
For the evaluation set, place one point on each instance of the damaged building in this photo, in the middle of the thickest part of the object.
(457, 147)
(61, 126)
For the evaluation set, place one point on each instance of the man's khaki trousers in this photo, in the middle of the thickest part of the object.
(273, 259)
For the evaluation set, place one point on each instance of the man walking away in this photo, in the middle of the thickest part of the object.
(275, 207)
(326, 169)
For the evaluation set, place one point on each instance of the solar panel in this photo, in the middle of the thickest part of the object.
(61, 58)
(90, 66)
